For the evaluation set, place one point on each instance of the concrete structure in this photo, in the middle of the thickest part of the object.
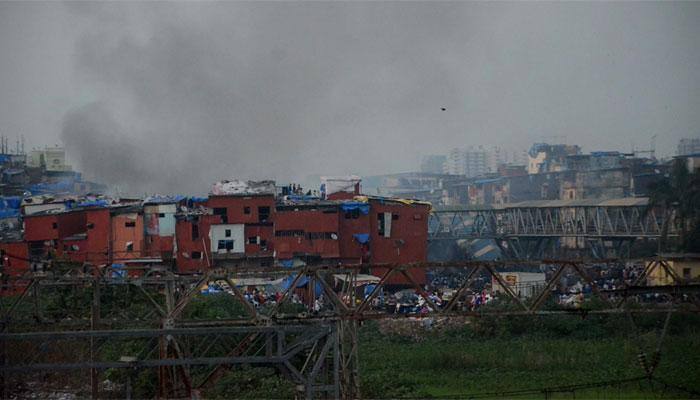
(396, 235)
(685, 267)
(692, 161)
(470, 162)
(255, 212)
(127, 234)
(433, 164)
(159, 224)
(228, 239)
(339, 187)
(688, 146)
(51, 158)
(544, 157)
(193, 254)
(197, 234)
(523, 284)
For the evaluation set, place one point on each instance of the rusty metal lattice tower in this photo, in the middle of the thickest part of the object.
(317, 350)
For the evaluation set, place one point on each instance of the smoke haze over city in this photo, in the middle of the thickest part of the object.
(170, 97)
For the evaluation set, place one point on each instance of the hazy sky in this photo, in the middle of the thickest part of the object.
(170, 97)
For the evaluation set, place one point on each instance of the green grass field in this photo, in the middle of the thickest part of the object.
(460, 363)
(487, 357)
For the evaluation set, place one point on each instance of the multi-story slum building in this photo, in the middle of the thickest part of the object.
(251, 223)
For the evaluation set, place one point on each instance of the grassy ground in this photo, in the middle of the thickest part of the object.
(459, 363)
(508, 357)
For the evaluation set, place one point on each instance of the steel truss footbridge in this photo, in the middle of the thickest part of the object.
(538, 229)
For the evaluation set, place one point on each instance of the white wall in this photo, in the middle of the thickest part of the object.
(30, 209)
(166, 223)
(237, 234)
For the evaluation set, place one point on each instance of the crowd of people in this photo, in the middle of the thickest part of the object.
(570, 290)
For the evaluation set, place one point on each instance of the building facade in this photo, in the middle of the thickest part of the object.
(225, 230)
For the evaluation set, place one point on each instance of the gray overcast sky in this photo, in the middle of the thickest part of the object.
(170, 97)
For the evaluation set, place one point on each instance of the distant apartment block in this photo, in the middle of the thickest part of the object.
(433, 164)
(470, 162)
(543, 157)
(688, 147)
(53, 159)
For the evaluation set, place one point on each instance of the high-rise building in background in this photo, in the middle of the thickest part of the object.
(497, 156)
(518, 157)
(476, 160)
(433, 164)
(455, 162)
(470, 162)
(688, 146)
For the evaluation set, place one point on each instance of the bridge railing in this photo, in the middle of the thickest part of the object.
(569, 221)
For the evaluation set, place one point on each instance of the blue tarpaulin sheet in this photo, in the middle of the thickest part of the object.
(119, 271)
(287, 263)
(94, 203)
(361, 237)
(211, 289)
(302, 282)
(351, 206)
(298, 198)
(13, 202)
(9, 213)
(9, 206)
(58, 187)
(369, 288)
(196, 200)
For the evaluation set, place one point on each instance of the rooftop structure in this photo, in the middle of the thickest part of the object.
(53, 159)
(544, 157)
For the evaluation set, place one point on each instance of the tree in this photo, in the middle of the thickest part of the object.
(678, 196)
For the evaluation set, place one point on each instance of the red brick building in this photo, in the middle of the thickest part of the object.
(307, 231)
(399, 234)
(192, 242)
(256, 213)
(14, 255)
(159, 234)
(256, 228)
(126, 234)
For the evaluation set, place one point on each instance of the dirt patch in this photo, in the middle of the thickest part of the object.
(418, 328)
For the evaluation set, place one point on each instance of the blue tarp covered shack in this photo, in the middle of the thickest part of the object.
(65, 186)
(355, 205)
(9, 206)
(301, 283)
